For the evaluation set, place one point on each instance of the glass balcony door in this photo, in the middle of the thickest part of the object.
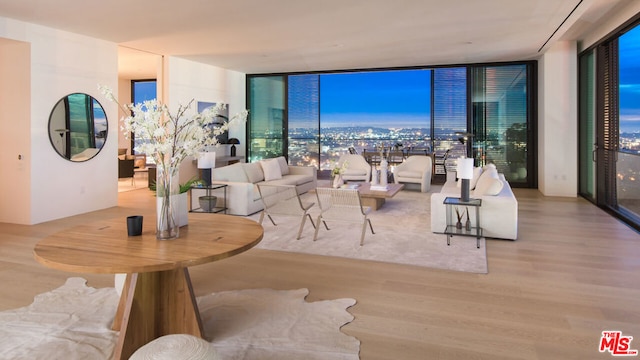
(587, 127)
(500, 119)
(267, 117)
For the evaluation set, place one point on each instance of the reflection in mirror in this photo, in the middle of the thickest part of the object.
(78, 127)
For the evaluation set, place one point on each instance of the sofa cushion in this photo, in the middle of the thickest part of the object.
(254, 172)
(271, 169)
(284, 167)
(300, 179)
(490, 187)
(291, 180)
(354, 172)
(484, 182)
(233, 173)
(409, 174)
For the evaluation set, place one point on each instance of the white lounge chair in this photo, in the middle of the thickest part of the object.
(415, 169)
(284, 200)
(342, 205)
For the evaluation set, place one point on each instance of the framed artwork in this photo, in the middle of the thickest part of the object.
(219, 120)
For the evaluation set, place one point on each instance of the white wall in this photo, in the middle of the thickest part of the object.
(557, 121)
(186, 80)
(618, 17)
(62, 63)
(124, 97)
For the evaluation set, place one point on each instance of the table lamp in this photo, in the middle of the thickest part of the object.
(465, 173)
(233, 142)
(206, 162)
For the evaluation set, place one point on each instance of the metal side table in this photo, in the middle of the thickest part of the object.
(453, 203)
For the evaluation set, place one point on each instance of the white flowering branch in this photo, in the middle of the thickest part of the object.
(170, 138)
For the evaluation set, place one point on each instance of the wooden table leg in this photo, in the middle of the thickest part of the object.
(152, 305)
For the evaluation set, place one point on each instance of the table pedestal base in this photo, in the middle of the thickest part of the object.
(154, 304)
(374, 203)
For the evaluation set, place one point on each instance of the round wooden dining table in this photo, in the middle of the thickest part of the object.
(157, 298)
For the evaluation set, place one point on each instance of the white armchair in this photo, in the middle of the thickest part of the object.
(357, 167)
(415, 169)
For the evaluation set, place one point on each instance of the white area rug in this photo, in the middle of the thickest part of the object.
(74, 322)
(402, 235)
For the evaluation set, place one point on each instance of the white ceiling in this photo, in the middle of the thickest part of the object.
(264, 36)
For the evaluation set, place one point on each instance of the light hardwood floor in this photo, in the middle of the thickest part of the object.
(573, 272)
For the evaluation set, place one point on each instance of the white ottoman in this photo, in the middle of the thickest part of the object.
(176, 347)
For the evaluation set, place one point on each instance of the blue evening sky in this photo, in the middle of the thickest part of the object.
(382, 99)
(144, 90)
(629, 66)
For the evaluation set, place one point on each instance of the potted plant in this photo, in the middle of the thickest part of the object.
(207, 202)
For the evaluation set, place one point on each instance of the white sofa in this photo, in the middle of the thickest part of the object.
(243, 197)
(498, 213)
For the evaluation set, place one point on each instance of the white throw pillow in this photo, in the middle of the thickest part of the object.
(477, 171)
(485, 180)
(271, 169)
(284, 167)
(254, 172)
(490, 187)
(489, 166)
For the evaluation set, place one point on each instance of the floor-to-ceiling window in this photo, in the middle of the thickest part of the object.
(267, 117)
(141, 91)
(628, 164)
(449, 114)
(609, 123)
(426, 109)
(304, 119)
(500, 120)
(366, 110)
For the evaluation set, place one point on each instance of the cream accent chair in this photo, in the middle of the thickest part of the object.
(415, 169)
(284, 200)
(358, 169)
(342, 205)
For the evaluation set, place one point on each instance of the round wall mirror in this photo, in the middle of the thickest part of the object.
(78, 127)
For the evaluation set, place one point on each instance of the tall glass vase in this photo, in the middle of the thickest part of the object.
(166, 184)
(384, 166)
(337, 181)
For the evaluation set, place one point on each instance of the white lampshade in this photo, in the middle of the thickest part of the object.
(465, 168)
(206, 160)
